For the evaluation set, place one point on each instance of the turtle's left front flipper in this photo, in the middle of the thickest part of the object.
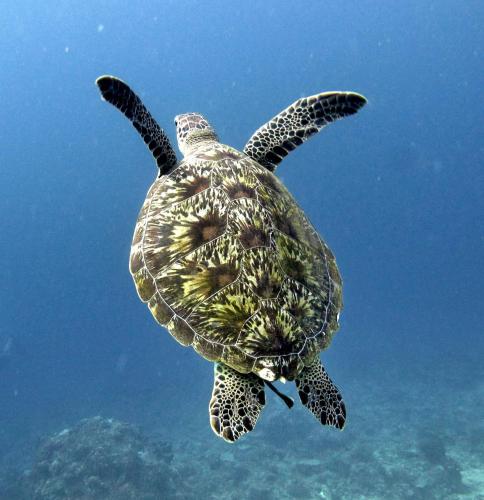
(297, 123)
(321, 396)
(120, 95)
(237, 400)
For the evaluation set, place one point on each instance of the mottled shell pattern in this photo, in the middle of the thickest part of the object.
(229, 264)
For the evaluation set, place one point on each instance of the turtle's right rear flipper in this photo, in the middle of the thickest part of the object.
(117, 93)
(237, 400)
(321, 396)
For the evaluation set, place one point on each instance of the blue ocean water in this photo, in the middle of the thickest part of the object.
(396, 191)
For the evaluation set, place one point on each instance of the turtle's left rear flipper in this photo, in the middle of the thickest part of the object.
(117, 93)
(237, 400)
(321, 396)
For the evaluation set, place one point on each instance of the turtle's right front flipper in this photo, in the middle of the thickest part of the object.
(237, 400)
(272, 142)
(117, 93)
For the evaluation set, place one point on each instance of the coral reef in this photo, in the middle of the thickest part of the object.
(101, 459)
(407, 438)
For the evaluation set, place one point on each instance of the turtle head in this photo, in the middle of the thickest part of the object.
(192, 129)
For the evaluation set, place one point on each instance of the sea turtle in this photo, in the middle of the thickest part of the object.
(228, 262)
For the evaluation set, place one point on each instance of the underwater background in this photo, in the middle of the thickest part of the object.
(396, 191)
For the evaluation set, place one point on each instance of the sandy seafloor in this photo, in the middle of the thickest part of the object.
(423, 440)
